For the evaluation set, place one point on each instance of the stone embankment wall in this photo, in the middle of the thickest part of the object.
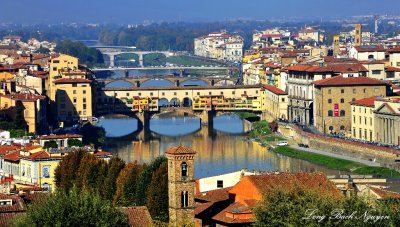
(385, 156)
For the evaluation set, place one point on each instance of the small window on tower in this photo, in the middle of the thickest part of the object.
(220, 184)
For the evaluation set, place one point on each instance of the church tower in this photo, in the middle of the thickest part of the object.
(181, 186)
(336, 47)
(357, 35)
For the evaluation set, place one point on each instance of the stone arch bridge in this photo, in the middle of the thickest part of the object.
(176, 81)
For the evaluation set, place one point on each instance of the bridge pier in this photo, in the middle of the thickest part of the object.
(144, 118)
(141, 60)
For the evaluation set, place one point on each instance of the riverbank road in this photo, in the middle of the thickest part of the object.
(311, 150)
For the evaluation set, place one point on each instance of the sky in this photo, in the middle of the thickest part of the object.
(137, 11)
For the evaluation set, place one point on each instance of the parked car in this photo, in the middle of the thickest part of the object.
(282, 143)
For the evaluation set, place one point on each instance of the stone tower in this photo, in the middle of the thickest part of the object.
(336, 47)
(181, 186)
(357, 35)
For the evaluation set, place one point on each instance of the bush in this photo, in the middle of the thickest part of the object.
(50, 144)
(74, 143)
(75, 208)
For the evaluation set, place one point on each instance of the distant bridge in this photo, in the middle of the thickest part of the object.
(113, 51)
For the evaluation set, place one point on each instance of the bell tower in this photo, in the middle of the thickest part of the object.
(357, 35)
(181, 186)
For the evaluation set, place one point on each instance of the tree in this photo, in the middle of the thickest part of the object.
(19, 119)
(126, 184)
(76, 208)
(74, 143)
(50, 144)
(144, 180)
(66, 172)
(43, 50)
(157, 195)
(86, 55)
(306, 207)
(108, 189)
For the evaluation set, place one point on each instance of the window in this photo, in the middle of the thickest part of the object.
(140, 94)
(354, 91)
(342, 113)
(84, 106)
(220, 184)
(174, 93)
(151, 93)
(342, 91)
(370, 121)
(127, 94)
(329, 91)
(184, 199)
(54, 68)
(233, 92)
(341, 100)
(330, 113)
(329, 100)
(331, 128)
(56, 61)
(46, 171)
(74, 85)
(74, 92)
(209, 93)
(365, 120)
(84, 91)
(84, 100)
(163, 93)
(184, 171)
(376, 72)
(283, 99)
(198, 93)
(222, 92)
(365, 90)
(74, 100)
(354, 132)
(187, 93)
(354, 119)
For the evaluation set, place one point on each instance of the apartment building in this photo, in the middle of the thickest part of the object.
(220, 45)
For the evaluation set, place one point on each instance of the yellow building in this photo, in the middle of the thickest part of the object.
(70, 90)
(73, 99)
(251, 56)
(276, 103)
(34, 109)
(387, 120)
(332, 98)
(362, 119)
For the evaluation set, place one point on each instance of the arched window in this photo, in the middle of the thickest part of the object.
(184, 170)
(184, 199)
(330, 113)
(342, 113)
(342, 127)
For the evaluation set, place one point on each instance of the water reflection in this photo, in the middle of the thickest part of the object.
(229, 124)
(118, 127)
(217, 154)
(175, 126)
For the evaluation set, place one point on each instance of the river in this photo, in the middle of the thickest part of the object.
(221, 150)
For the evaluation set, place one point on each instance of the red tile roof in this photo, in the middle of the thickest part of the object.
(274, 89)
(5, 219)
(386, 194)
(214, 195)
(18, 204)
(23, 97)
(392, 69)
(63, 136)
(180, 150)
(202, 207)
(66, 81)
(394, 50)
(349, 81)
(5, 149)
(138, 216)
(38, 155)
(370, 48)
(370, 102)
(232, 214)
(14, 156)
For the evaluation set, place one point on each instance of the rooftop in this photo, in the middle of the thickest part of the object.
(63, 136)
(274, 89)
(66, 81)
(349, 81)
(180, 150)
(369, 102)
(138, 216)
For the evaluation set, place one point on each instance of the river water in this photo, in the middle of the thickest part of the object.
(220, 150)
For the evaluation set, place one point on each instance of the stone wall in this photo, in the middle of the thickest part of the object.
(385, 156)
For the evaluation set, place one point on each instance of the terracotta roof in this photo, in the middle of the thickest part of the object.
(317, 181)
(370, 102)
(63, 136)
(349, 81)
(24, 97)
(202, 207)
(394, 50)
(103, 153)
(18, 204)
(6, 218)
(392, 69)
(66, 80)
(138, 216)
(231, 214)
(38, 155)
(385, 194)
(214, 195)
(5, 149)
(274, 89)
(180, 150)
(370, 48)
(14, 156)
